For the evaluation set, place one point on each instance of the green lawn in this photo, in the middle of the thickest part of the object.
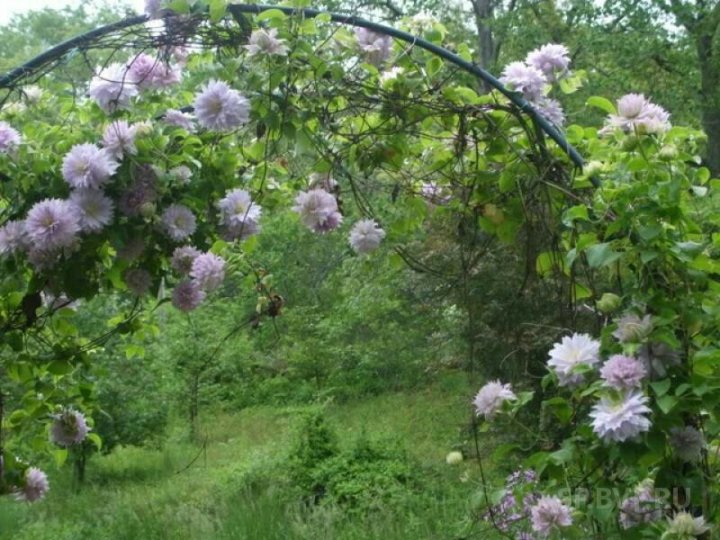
(237, 488)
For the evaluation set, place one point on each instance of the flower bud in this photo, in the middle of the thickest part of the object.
(454, 458)
(147, 210)
(608, 302)
(630, 143)
(143, 128)
(668, 152)
(593, 168)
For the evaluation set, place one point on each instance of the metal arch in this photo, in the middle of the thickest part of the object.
(8, 79)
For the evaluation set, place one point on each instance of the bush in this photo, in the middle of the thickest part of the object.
(317, 444)
(370, 475)
(133, 407)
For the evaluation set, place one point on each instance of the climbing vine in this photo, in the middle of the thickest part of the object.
(149, 180)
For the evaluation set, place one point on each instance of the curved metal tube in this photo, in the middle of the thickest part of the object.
(9, 78)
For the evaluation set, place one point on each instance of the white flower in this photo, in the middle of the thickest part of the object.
(175, 117)
(178, 221)
(13, 237)
(221, 108)
(208, 271)
(621, 419)
(573, 351)
(119, 139)
(623, 372)
(491, 397)
(548, 514)
(643, 507)
(526, 79)
(631, 105)
(69, 428)
(551, 109)
(684, 527)
(10, 139)
(87, 166)
(318, 210)
(113, 88)
(266, 42)
(377, 47)
(182, 174)
(187, 296)
(35, 486)
(635, 112)
(33, 94)
(237, 207)
(366, 236)
(182, 259)
(551, 59)
(633, 329)
(93, 209)
(434, 193)
(391, 74)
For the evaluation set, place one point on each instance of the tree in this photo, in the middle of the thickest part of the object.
(29, 34)
(701, 20)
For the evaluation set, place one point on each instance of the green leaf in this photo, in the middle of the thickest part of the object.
(538, 461)
(661, 387)
(60, 367)
(270, 14)
(570, 85)
(503, 450)
(703, 175)
(647, 256)
(217, 10)
(560, 408)
(60, 455)
(547, 263)
(134, 351)
(434, 65)
(599, 255)
(648, 232)
(95, 439)
(706, 264)
(507, 181)
(181, 7)
(705, 361)
(601, 103)
(16, 417)
(666, 403)
(256, 151)
(565, 455)
(396, 261)
(496, 496)
(579, 212)
(581, 292)
(523, 398)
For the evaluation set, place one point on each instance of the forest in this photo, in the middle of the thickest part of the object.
(360, 269)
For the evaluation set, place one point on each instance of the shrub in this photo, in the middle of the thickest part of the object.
(367, 476)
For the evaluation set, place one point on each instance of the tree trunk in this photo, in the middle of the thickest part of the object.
(704, 32)
(484, 15)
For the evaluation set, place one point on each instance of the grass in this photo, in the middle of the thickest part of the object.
(233, 487)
